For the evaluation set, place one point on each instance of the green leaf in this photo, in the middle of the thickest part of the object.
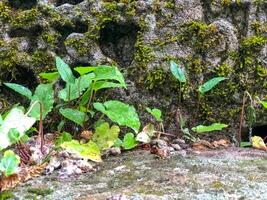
(86, 151)
(105, 137)
(121, 113)
(65, 71)
(210, 84)
(45, 95)
(50, 76)
(13, 135)
(104, 72)
(84, 70)
(74, 115)
(251, 116)
(76, 89)
(155, 113)
(20, 89)
(129, 141)
(212, 127)
(15, 119)
(264, 103)
(9, 163)
(104, 84)
(177, 72)
(118, 143)
(245, 144)
(64, 137)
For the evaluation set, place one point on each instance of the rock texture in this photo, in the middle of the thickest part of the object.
(207, 37)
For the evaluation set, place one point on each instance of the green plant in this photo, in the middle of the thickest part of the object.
(212, 127)
(156, 113)
(121, 113)
(179, 74)
(251, 115)
(9, 163)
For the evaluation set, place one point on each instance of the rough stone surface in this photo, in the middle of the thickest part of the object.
(223, 174)
(208, 38)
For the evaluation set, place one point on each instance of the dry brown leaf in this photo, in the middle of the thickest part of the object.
(24, 175)
(87, 134)
(204, 145)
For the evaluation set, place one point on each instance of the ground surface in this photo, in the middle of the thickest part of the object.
(223, 174)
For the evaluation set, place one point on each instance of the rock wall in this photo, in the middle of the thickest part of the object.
(207, 37)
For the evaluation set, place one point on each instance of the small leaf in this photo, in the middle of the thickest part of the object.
(9, 163)
(258, 143)
(155, 113)
(15, 119)
(129, 141)
(264, 103)
(210, 84)
(65, 137)
(13, 135)
(20, 89)
(86, 151)
(177, 72)
(104, 84)
(74, 91)
(245, 144)
(84, 70)
(105, 137)
(44, 94)
(251, 116)
(212, 127)
(118, 143)
(121, 113)
(64, 71)
(74, 115)
(50, 76)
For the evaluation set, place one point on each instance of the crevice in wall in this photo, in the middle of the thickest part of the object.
(117, 41)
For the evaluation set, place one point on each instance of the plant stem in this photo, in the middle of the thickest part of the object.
(242, 118)
(180, 92)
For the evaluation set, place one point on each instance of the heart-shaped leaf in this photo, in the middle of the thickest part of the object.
(64, 71)
(178, 72)
(212, 127)
(9, 163)
(155, 113)
(74, 115)
(129, 141)
(20, 89)
(207, 86)
(121, 113)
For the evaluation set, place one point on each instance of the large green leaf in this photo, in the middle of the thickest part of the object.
(105, 84)
(64, 137)
(177, 72)
(64, 71)
(15, 119)
(212, 127)
(20, 89)
(9, 163)
(207, 86)
(121, 113)
(74, 115)
(155, 113)
(105, 137)
(129, 141)
(76, 89)
(86, 151)
(45, 95)
(264, 103)
(50, 76)
(104, 72)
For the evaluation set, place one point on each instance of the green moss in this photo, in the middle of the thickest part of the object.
(170, 4)
(25, 18)
(155, 78)
(41, 59)
(143, 53)
(6, 195)
(79, 44)
(225, 2)
(200, 36)
(5, 12)
(253, 44)
(40, 191)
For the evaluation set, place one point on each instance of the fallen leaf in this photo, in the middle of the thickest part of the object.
(258, 143)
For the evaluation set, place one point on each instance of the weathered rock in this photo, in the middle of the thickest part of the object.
(207, 38)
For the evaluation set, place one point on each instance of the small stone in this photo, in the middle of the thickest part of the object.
(176, 147)
(160, 143)
(117, 197)
(115, 151)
